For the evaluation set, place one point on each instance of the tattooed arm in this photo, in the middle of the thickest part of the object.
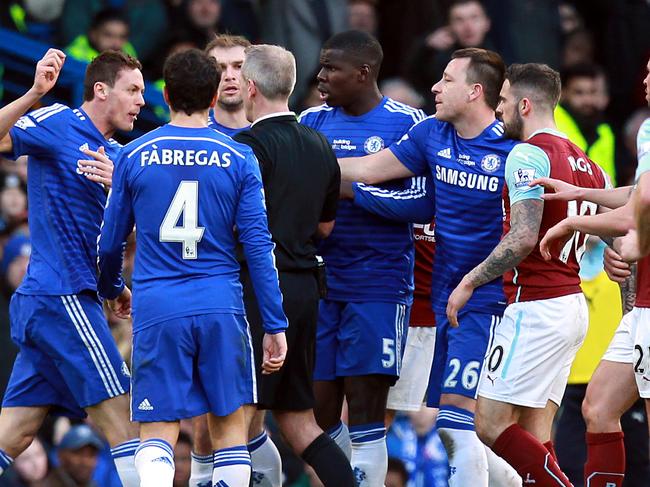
(525, 220)
(628, 290)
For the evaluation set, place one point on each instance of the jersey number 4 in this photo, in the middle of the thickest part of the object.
(185, 205)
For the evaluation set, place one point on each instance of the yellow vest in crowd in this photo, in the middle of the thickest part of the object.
(602, 151)
(605, 312)
(81, 50)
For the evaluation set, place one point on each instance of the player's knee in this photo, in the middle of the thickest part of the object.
(486, 430)
(597, 415)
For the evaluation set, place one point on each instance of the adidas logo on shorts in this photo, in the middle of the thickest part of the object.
(145, 406)
(446, 153)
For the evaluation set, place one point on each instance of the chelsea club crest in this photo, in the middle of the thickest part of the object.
(490, 163)
(373, 144)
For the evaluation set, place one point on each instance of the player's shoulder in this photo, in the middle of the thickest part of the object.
(644, 131)
(312, 115)
(56, 113)
(408, 113)
(495, 134)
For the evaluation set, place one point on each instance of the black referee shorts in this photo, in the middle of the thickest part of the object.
(289, 389)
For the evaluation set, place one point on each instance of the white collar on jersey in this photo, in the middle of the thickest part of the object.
(272, 115)
(549, 131)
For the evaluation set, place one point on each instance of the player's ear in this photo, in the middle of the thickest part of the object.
(525, 106)
(100, 90)
(252, 89)
(475, 92)
(166, 96)
(364, 72)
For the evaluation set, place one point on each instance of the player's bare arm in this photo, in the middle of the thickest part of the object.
(121, 305)
(563, 191)
(615, 223)
(47, 73)
(99, 169)
(525, 218)
(628, 290)
(374, 168)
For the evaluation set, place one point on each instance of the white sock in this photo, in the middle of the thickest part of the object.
(466, 453)
(500, 472)
(124, 459)
(341, 436)
(369, 454)
(232, 467)
(267, 464)
(5, 461)
(154, 460)
(201, 471)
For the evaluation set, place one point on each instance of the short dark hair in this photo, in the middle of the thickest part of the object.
(191, 79)
(226, 41)
(580, 70)
(539, 82)
(485, 68)
(358, 46)
(106, 15)
(105, 68)
(397, 465)
(457, 3)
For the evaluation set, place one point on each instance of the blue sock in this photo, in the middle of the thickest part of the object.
(452, 417)
(5, 461)
(232, 467)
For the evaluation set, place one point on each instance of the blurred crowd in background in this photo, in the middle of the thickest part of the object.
(600, 47)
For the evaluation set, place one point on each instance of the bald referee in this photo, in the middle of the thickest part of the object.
(301, 183)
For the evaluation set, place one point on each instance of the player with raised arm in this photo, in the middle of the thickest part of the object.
(228, 114)
(463, 149)
(613, 388)
(369, 260)
(527, 366)
(68, 361)
(186, 187)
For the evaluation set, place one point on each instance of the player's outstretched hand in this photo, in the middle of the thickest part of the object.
(557, 235)
(121, 305)
(457, 301)
(628, 247)
(98, 169)
(563, 191)
(47, 71)
(275, 351)
(616, 268)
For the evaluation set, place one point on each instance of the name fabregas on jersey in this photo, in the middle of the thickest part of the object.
(178, 157)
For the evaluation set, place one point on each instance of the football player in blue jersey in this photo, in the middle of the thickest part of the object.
(228, 114)
(369, 260)
(68, 362)
(191, 192)
(463, 149)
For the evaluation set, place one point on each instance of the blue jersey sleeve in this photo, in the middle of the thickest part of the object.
(255, 237)
(411, 148)
(39, 132)
(117, 226)
(525, 163)
(413, 205)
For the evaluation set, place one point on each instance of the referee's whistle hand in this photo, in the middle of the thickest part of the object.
(275, 351)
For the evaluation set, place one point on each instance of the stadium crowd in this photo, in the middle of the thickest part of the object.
(600, 49)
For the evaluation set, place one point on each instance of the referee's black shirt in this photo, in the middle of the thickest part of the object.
(301, 179)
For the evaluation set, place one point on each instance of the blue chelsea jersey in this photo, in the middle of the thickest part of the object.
(230, 132)
(65, 208)
(369, 258)
(191, 193)
(468, 177)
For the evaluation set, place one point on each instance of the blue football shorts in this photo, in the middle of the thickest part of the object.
(354, 339)
(459, 354)
(188, 366)
(67, 357)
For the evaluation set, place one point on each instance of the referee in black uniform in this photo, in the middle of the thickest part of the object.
(301, 180)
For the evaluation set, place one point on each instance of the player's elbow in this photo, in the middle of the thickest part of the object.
(324, 229)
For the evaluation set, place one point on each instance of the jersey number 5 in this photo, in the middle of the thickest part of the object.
(577, 242)
(185, 204)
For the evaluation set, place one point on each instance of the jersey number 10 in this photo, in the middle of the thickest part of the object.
(577, 242)
(185, 204)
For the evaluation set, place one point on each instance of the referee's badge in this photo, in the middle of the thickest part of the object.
(373, 144)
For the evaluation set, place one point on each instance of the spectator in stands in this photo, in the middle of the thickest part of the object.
(77, 454)
(33, 18)
(362, 15)
(579, 48)
(108, 30)
(15, 259)
(400, 90)
(29, 469)
(396, 476)
(580, 114)
(200, 20)
(148, 19)
(182, 459)
(13, 206)
(468, 26)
